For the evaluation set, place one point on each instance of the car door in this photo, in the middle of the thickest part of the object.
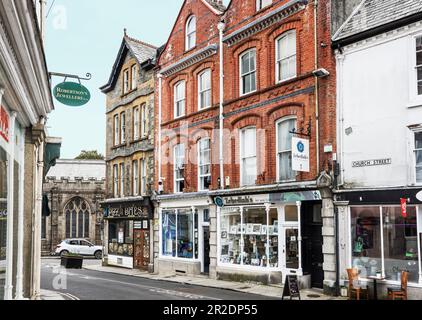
(74, 246)
(87, 249)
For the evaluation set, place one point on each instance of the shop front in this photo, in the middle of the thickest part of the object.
(127, 234)
(184, 241)
(266, 237)
(383, 236)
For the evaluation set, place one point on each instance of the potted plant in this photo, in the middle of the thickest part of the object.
(72, 261)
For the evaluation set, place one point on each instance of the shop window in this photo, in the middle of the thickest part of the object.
(231, 236)
(260, 4)
(418, 156)
(120, 238)
(179, 168)
(248, 72)
(284, 150)
(77, 213)
(204, 169)
(273, 231)
(191, 33)
(400, 243)
(419, 64)
(286, 60)
(248, 159)
(255, 237)
(179, 99)
(204, 95)
(179, 234)
(291, 214)
(136, 123)
(207, 215)
(116, 130)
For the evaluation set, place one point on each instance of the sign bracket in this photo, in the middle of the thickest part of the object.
(88, 76)
(302, 132)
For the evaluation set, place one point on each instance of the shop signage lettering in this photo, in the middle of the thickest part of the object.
(286, 197)
(4, 124)
(3, 214)
(372, 163)
(72, 94)
(300, 155)
(230, 201)
(128, 212)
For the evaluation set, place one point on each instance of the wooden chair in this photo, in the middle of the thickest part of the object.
(358, 292)
(399, 293)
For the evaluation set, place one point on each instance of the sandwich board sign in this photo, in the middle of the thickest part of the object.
(291, 288)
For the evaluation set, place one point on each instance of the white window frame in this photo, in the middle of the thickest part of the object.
(176, 161)
(136, 113)
(116, 130)
(285, 37)
(278, 152)
(116, 181)
(135, 177)
(133, 77)
(202, 91)
(179, 100)
(190, 41)
(125, 81)
(261, 4)
(200, 164)
(122, 180)
(242, 93)
(143, 176)
(242, 157)
(414, 156)
(144, 120)
(122, 127)
(415, 99)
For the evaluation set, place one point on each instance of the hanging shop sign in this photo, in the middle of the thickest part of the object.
(419, 196)
(372, 163)
(300, 155)
(72, 94)
(4, 124)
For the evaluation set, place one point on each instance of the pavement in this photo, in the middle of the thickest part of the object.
(272, 291)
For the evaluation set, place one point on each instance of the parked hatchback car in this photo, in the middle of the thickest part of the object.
(79, 246)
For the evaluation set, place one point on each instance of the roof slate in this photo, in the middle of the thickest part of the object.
(375, 13)
(141, 50)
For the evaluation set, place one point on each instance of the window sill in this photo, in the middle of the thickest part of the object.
(128, 93)
(119, 146)
(415, 104)
(281, 82)
(139, 140)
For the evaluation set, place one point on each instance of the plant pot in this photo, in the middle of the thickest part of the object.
(72, 262)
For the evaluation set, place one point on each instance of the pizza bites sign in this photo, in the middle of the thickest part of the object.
(4, 124)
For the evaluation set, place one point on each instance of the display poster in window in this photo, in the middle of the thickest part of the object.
(121, 237)
(300, 155)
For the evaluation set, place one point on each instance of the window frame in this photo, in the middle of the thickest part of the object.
(122, 179)
(190, 33)
(415, 99)
(203, 176)
(415, 150)
(278, 60)
(241, 75)
(242, 158)
(116, 130)
(133, 77)
(175, 171)
(116, 181)
(144, 176)
(260, 4)
(202, 91)
(178, 99)
(123, 127)
(278, 152)
(136, 123)
(135, 178)
(144, 121)
(126, 79)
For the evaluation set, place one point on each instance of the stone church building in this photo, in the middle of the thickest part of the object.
(74, 189)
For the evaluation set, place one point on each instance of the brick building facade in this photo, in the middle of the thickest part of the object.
(279, 78)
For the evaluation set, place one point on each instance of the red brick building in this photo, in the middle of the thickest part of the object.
(258, 218)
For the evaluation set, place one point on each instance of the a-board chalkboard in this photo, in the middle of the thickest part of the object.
(291, 288)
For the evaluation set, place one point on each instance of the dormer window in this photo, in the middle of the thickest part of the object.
(191, 33)
(260, 4)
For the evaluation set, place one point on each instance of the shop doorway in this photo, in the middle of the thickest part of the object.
(142, 249)
(313, 243)
(206, 249)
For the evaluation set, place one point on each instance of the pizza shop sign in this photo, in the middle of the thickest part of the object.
(128, 212)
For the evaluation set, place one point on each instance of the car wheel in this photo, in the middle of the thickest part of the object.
(98, 255)
(64, 253)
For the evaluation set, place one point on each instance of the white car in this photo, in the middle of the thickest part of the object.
(79, 246)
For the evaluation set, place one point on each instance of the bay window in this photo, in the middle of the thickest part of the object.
(179, 99)
(284, 150)
(286, 63)
(204, 83)
(179, 238)
(204, 167)
(248, 158)
(385, 240)
(179, 168)
(418, 156)
(135, 178)
(248, 72)
(191, 33)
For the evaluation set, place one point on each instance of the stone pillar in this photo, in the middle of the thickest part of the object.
(343, 238)
(329, 246)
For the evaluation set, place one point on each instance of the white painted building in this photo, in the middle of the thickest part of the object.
(379, 94)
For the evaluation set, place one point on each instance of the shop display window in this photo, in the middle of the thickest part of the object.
(169, 233)
(185, 235)
(255, 253)
(231, 236)
(120, 238)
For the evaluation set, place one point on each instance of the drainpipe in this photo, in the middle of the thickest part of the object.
(160, 108)
(316, 84)
(221, 26)
(19, 275)
(8, 289)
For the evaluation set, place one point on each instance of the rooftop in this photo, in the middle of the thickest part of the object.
(73, 169)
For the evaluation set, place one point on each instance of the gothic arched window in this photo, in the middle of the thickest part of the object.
(77, 212)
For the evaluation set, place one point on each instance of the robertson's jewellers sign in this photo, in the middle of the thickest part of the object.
(4, 124)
